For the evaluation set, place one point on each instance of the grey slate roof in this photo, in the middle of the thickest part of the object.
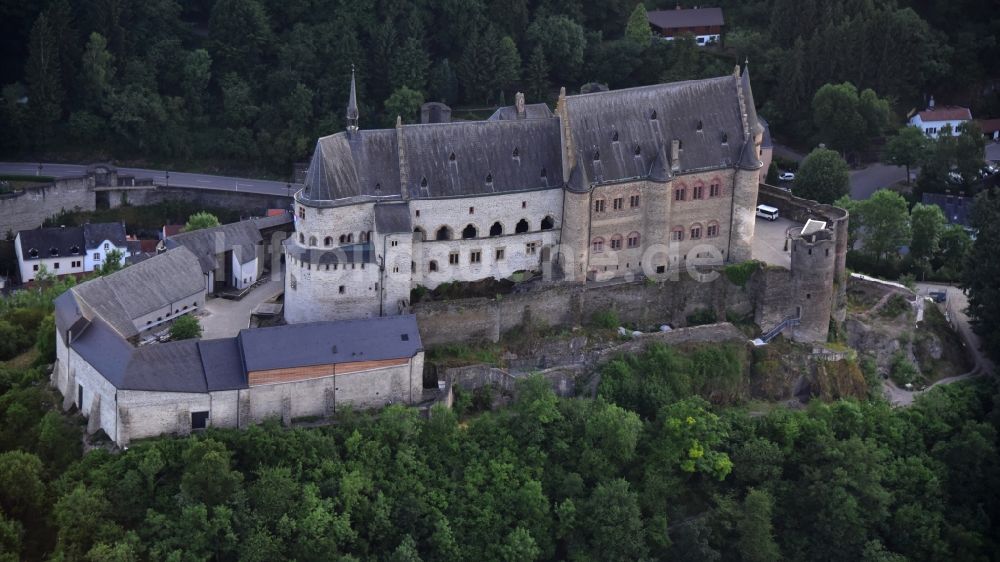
(273, 221)
(322, 343)
(694, 17)
(208, 243)
(139, 289)
(531, 111)
(392, 218)
(956, 208)
(68, 315)
(95, 234)
(62, 240)
(223, 364)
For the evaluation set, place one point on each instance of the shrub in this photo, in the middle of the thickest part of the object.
(739, 273)
(184, 328)
(607, 319)
(896, 305)
(702, 316)
(902, 371)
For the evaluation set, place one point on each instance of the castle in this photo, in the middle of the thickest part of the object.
(617, 183)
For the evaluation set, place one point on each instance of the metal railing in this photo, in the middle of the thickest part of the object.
(786, 323)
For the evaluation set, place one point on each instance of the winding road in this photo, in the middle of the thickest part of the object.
(160, 177)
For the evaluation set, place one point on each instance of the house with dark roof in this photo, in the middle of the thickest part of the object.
(705, 24)
(933, 119)
(68, 250)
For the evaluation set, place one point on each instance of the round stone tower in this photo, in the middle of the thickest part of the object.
(814, 261)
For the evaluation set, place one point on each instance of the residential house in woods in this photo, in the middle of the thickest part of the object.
(934, 118)
(705, 24)
(68, 250)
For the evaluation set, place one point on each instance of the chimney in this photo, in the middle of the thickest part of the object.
(930, 105)
(675, 155)
(519, 105)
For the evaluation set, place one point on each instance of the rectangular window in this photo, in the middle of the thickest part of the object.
(599, 206)
(342, 289)
(598, 246)
(453, 258)
(633, 241)
(199, 420)
(532, 247)
(418, 212)
(524, 204)
(55, 265)
(376, 286)
(677, 235)
(97, 257)
(699, 192)
(472, 210)
(696, 233)
(616, 243)
(475, 256)
(714, 190)
(499, 254)
(633, 201)
(619, 203)
(713, 231)
(107, 247)
(35, 267)
(302, 212)
(679, 194)
(394, 243)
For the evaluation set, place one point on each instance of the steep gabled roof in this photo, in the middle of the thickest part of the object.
(95, 234)
(946, 113)
(240, 237)
(51, 242)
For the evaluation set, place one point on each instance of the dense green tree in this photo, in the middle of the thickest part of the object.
(200, 220)
(44, 78)
(982, 269)
(756, 535)
(443, 83)
(508, 70)
(614, 523)
(954, 244)
(562, 41)
(240, 36)
(208, 475)
(536, 76)
(405, 104)
(409, 66)
(637, 29)
(909, 147)
(969, 150)
(847, 120)
(96, 72)
(885, 223)
(22, 485)
(195, 76)
(927, 223)
(822, 176)
(185, 328)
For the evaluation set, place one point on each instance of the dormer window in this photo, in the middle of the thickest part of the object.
(699, 125)
(637, 150)
(597, 155)
(516, 153)
(614, 136)
(451, 157)
(423, 182)
(75, 250)
(544, 173)
(725, 138)
(33, 253)
(489, 178)
(53, 251)
(652, 116)
(378, 189)
(680, 144)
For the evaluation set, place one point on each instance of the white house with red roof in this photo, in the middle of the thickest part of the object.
(934, 118)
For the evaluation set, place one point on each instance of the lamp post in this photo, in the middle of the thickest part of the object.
(167, 175)
(39, 172)
(289, 188)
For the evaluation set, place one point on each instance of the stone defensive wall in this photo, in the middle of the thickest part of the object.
(28, 209)
(647, 303)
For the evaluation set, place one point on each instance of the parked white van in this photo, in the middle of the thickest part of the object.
(767, 212)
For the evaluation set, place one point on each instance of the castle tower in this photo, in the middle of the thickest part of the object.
(352, 106)
(575, 243)
(814, 262)
(746, 178)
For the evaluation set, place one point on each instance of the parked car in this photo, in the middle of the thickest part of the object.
(938, 296)
(786, 176)
(955, 178)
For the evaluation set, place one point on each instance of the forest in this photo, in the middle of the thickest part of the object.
(249, 84)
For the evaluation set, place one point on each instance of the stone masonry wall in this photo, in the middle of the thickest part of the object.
(30, 209)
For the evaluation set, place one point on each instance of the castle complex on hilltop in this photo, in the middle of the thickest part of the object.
(613, 184)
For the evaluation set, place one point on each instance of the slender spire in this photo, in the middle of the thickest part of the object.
(352, 106)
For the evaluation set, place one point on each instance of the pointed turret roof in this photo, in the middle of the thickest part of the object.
(660, 170)
(352, 103)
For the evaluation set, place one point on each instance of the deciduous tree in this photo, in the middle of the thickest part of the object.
(822, 176)
(909, 147)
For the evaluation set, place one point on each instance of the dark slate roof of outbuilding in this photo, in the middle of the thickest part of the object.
(139, 289)
(324, 343)
(223, 364)
(68, 315)
(62, 239)
(596, 118)
(165, 367)
(240, 237)
(391, 218)
(106, 350)
(97, 233)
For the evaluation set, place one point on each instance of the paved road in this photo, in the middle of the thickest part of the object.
(868, 180)
(224, 318)
(182, 179)
(993, 150)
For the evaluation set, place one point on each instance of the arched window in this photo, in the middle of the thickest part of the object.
(680, 193)
(677, 234)
(522, 226)
(696, 231)
(469, 231)
(312, 240)
(421, 235)
(74, 250)
(633, 240)
(548, 223)
(715, 188)
(496, 229)
(343, 238)
(328, 241)
(616, 242)
(443, 233)
(302, 238)
(597, 245)
(362, 236)
(433, 266)
(350, 237)
(712, 230)
(53, 251)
